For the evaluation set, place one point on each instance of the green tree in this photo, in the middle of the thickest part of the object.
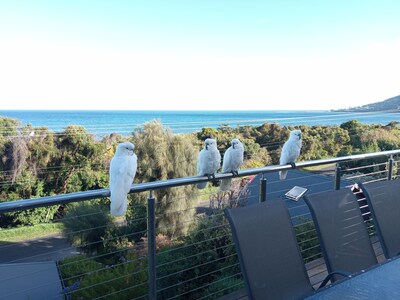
(163, 155)
(80, 162)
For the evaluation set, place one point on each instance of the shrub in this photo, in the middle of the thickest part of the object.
(86, 279)
(202, 257)
(86, 224)
(308, 240)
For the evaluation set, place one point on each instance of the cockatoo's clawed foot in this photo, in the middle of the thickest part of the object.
(293, 165)
(210, 176)
(235, 173)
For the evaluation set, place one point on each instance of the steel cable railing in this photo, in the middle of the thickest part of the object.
(195, 262)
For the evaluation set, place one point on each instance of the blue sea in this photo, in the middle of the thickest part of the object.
(102, 123)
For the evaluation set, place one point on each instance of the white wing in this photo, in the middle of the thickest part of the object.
(202, 167)
(201, 163)
(208, 163)
(290, 153)
(216, 160)
(227, 162)
(233, 159)
(122, 173)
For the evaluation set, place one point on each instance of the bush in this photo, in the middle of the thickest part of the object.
(202, 257)
(308, 241)
(86, 279)
(85, 225)
(224, 286)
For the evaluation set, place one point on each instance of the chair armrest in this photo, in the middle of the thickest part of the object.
(329, 276)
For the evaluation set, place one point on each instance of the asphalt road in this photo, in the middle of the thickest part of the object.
(51, 248)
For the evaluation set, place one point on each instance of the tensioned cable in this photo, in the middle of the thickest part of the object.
(107, 281)
(265, 145)
(209, 296)
(195, 278)
(193, 244)
(123, 290)
(200, 265)
(188, 257)
(202, 287)
(201, 242)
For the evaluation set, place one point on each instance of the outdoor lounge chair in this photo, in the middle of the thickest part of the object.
(345, 242)
(268, 252)
(383, 198)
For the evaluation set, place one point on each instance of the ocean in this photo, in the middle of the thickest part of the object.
(102, 123)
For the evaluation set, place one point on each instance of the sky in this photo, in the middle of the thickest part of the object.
(198, 55)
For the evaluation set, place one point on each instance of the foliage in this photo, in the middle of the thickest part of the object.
(136, 217)
(224, 286)
(163, 155)
(85, 225)
(205, 255)
(36, 162)
(237, 196)
(308, 241)
(87, 279)
(79, 160)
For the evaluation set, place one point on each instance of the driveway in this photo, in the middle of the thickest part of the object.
(49, 248)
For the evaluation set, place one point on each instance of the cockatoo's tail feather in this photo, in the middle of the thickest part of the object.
(282, 175)
(202, 185)
(225, 184)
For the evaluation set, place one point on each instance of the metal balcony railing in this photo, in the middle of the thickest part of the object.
(131, 258)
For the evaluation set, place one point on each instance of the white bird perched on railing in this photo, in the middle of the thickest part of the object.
(233, 159)
(122, 173)
(290, 151)
(208, 162)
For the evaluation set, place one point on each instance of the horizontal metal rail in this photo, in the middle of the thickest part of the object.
(148, 186)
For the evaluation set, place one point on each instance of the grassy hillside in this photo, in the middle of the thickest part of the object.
(391, 104)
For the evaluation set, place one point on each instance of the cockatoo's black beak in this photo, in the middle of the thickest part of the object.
(206, 146)
(233, 146)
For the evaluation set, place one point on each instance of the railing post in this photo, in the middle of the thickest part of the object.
(151, 246)
(338, 171)
(263, 188)
(390, 167)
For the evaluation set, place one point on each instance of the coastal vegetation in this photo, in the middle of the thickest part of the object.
(36, 162)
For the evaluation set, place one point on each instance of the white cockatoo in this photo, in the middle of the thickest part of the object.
(208, 162)
(233, 159)
(290, 151)
(122, 172)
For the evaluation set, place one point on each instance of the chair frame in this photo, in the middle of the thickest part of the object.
(309, 199)
(388, 250)
(232, 216)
